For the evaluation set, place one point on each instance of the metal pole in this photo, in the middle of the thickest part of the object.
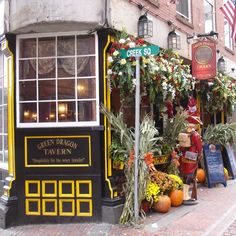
(137, 120)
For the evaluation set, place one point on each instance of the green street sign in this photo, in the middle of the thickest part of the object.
(139, 52)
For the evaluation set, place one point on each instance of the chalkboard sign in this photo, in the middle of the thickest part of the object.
(214, 164)
(230, 160)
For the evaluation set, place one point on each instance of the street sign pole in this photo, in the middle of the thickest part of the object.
(137, 53)
(136, 152)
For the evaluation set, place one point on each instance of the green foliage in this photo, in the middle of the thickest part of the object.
(174, 126)
(219, 94)
(220, 134)
(148, 140)
(117, 151)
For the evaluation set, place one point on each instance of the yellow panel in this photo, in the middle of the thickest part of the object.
(65, 213)
(27, 210)
(89, 201)
(78, 193)
(27, 193)
(71, 182)
(44, 194)
(49, 213)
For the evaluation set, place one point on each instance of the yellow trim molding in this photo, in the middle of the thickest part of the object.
(27, 188)
(78, 208)
(27, 208)
(66, 213)
(49, 213)
(10, 115)
(107, 130)
(71, 182)
(54, 183)
(87, 182)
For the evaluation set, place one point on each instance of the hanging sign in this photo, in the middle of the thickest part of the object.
(214, 164)
(204, 59)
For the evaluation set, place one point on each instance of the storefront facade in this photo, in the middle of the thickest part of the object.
(55, 164)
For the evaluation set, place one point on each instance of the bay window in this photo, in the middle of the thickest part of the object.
(57, 81)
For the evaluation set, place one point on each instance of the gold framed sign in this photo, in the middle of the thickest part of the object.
(57, 151)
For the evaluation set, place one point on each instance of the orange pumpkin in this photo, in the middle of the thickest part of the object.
(176, 197)
(201, 175)
(163, 204)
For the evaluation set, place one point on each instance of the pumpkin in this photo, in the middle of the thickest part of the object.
(201, 176)
(163, 204)
(176, 197)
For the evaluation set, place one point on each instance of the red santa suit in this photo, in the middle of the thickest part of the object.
(188, 167)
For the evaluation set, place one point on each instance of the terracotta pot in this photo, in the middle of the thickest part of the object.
(145, 205)
(163, 204)
(176, 197)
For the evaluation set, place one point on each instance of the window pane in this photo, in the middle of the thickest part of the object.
(208, 16)
(5, 128)
(66, 89)
(86, 66)
(182, 7)
(27, 69)
(1, 90)
(27, 48)
(46, 47)
(5, 142)
(86, 88)
(46, 68)
(1, 117)
(27, 90)
(85, 44)
(47, 112)
(47, 89)
(87, 110)
(1, 156)
(5, 156)
(66, 67)
(28, 112)
(66, 46)
(66, 111)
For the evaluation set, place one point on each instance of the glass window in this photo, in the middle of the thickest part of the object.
(3, 112)
(57, 81)
(183, 8)
(209, 16)
(228, 33)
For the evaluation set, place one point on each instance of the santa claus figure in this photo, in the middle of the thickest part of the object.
(191, 148)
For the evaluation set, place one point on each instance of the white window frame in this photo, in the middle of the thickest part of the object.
(189, 18)
(227, 36)
(56, 123)
(211, 2)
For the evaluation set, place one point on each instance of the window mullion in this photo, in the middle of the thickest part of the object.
(56, 84)
(37, 79)
(76, 83)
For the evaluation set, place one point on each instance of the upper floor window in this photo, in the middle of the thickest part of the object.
(209, 16)
(228, 33)
(183, 8)
(57, 81)
(3, 112)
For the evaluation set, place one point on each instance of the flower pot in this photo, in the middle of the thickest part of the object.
(145, 205)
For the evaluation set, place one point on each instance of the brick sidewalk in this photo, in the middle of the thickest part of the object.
(231, 230)
(212, 216)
